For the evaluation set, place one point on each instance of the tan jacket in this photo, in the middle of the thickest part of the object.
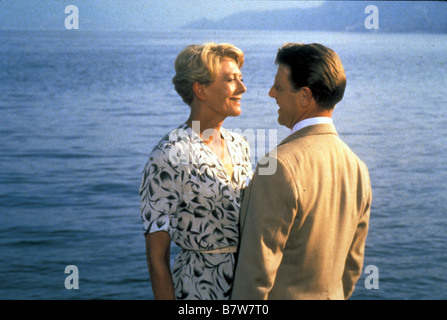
(303, 229)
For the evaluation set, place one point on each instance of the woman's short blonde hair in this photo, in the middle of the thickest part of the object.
(200, 63)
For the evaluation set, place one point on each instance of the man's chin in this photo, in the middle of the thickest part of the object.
(280, 122)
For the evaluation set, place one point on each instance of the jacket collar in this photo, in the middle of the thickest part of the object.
(316, 129)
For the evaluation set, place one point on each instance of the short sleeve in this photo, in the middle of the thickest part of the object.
(159, 193)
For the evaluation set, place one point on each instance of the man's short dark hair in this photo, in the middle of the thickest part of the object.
(316, 67)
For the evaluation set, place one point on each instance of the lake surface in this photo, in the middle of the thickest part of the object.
(80, 111)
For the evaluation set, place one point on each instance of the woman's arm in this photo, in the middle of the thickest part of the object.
(158, 256)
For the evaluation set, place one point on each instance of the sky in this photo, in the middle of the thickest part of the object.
(128, 14)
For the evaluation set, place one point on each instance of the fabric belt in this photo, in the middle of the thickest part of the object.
(232, 249)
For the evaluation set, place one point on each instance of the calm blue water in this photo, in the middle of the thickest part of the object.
(80, 112)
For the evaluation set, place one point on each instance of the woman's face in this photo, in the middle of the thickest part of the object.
(224, 94)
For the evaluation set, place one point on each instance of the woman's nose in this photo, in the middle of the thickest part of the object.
(242, 87)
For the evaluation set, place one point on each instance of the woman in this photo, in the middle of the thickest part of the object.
(191, 187)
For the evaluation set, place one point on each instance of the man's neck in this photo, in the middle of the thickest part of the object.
(309, 122)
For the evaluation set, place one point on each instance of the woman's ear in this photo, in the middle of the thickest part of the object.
(198, 91)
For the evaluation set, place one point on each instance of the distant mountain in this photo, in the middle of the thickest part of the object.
(394, 16)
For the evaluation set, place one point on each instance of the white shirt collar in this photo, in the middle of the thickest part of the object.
(310, 122)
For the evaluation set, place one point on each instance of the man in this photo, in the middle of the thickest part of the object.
(303, 228)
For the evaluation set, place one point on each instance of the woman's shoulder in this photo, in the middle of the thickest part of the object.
(173, 144)
(170, 139)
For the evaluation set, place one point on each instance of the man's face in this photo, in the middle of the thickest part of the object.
(286, 97)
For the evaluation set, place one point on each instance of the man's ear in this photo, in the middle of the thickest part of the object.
(306, 95)
(198, 91)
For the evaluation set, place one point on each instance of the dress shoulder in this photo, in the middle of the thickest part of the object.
(161, 183)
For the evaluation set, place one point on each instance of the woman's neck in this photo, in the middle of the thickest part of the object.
(205, 125)
(208, 126)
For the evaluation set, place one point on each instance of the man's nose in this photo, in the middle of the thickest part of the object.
(272, 92)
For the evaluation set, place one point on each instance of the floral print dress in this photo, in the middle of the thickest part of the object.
(186, 192)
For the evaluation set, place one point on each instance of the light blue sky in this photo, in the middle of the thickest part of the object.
(128, 14)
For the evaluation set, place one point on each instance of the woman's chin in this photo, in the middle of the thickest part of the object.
(237, 113)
